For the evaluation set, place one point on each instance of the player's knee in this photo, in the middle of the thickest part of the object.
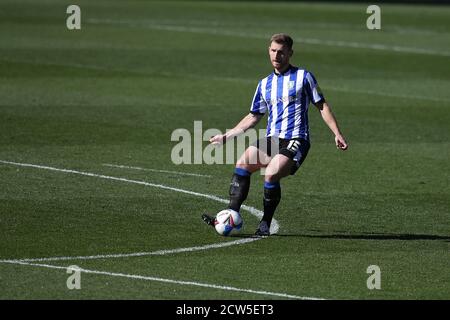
(271, 178)
(241, 163)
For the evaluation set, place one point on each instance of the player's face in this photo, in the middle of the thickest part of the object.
(279, 56)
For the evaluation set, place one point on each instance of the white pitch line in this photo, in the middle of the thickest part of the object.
(273, 228)
(386, 94)
(156, 170)
(332, 43)
(171, 281)
(140, 254)
(217, 78)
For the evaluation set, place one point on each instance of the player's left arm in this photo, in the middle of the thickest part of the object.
(329, 118)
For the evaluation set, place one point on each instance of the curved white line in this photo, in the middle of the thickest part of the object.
(164, 280)
(140, 254)
(155, 170)
(273, 229)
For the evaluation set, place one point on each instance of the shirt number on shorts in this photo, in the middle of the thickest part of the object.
(293, 146)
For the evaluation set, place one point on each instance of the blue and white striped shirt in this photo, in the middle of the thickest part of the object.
(287, 97)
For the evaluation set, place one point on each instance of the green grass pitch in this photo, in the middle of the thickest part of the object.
(114, 91)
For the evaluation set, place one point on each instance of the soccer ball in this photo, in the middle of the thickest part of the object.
(226, 221)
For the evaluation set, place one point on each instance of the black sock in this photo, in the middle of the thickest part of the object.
(239, 186)
(272, 197)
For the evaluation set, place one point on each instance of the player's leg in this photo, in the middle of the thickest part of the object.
(254, 158)
(291, 155)
(280, 166)
(251, 160)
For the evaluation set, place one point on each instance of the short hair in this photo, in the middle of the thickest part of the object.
(282, 38)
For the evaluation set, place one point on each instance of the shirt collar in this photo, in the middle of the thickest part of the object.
(284, 73)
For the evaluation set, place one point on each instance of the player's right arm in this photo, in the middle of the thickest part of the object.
(257, 110)
(249, 121)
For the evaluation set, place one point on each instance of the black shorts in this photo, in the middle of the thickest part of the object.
(295, 149)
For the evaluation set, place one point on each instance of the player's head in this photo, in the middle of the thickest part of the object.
(280, 51)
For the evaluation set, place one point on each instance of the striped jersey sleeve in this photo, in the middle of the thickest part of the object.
(312, 88)
(259, 105)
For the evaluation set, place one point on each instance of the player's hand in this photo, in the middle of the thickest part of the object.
(218, 139)
(340, 142)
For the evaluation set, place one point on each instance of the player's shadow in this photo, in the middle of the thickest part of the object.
(243, 235)
(367, 236)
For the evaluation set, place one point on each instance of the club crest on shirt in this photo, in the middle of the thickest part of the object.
(291, 85)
